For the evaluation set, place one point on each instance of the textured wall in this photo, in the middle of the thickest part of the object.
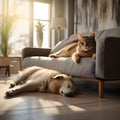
(93, 15)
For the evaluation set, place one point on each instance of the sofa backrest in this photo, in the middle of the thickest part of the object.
(114, 32)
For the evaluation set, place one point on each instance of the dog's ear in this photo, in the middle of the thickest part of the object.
(72, 81)
(61, 76)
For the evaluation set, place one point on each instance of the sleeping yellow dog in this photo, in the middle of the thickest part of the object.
(41, 80)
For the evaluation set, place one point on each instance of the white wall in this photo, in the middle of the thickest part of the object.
(63, 8)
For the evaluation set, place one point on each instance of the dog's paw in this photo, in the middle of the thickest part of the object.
(12, 85)
(9, 93)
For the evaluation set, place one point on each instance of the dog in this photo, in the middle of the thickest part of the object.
(41, 80)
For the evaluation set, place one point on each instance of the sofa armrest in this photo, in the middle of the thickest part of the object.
(108, 58)
(28, 51)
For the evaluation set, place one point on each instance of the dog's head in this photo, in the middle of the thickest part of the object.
(63, 85)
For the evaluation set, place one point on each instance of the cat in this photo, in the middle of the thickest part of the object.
(85, 47)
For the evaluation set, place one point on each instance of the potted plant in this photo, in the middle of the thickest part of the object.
(39, 29)
(5, 33)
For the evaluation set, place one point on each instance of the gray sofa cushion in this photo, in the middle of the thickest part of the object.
(86, 67)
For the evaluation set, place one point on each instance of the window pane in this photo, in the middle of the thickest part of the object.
(45, 43)
(20, 33)
(0, 6)
(42, 14)
(41, 11)
(20, 37)
(19, 7)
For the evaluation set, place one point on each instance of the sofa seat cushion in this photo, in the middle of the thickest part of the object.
(86, 67)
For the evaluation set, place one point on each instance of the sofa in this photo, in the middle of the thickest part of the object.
(106, 66)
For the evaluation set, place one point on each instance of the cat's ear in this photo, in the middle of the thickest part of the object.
(92, 34)
(80, 38)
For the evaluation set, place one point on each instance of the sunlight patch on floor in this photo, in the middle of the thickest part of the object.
(76, 109)
(49, 103)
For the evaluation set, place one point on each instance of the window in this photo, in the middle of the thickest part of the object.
(21, 34)
(42, 14)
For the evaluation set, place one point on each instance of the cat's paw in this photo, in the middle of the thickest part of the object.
(94, 56)
(76, 58)
(52, 56)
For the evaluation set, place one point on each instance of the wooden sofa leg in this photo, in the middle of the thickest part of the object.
(101, 88)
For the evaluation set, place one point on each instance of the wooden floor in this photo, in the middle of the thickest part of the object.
(86, 105)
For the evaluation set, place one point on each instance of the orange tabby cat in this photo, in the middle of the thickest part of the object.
(85, 47)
